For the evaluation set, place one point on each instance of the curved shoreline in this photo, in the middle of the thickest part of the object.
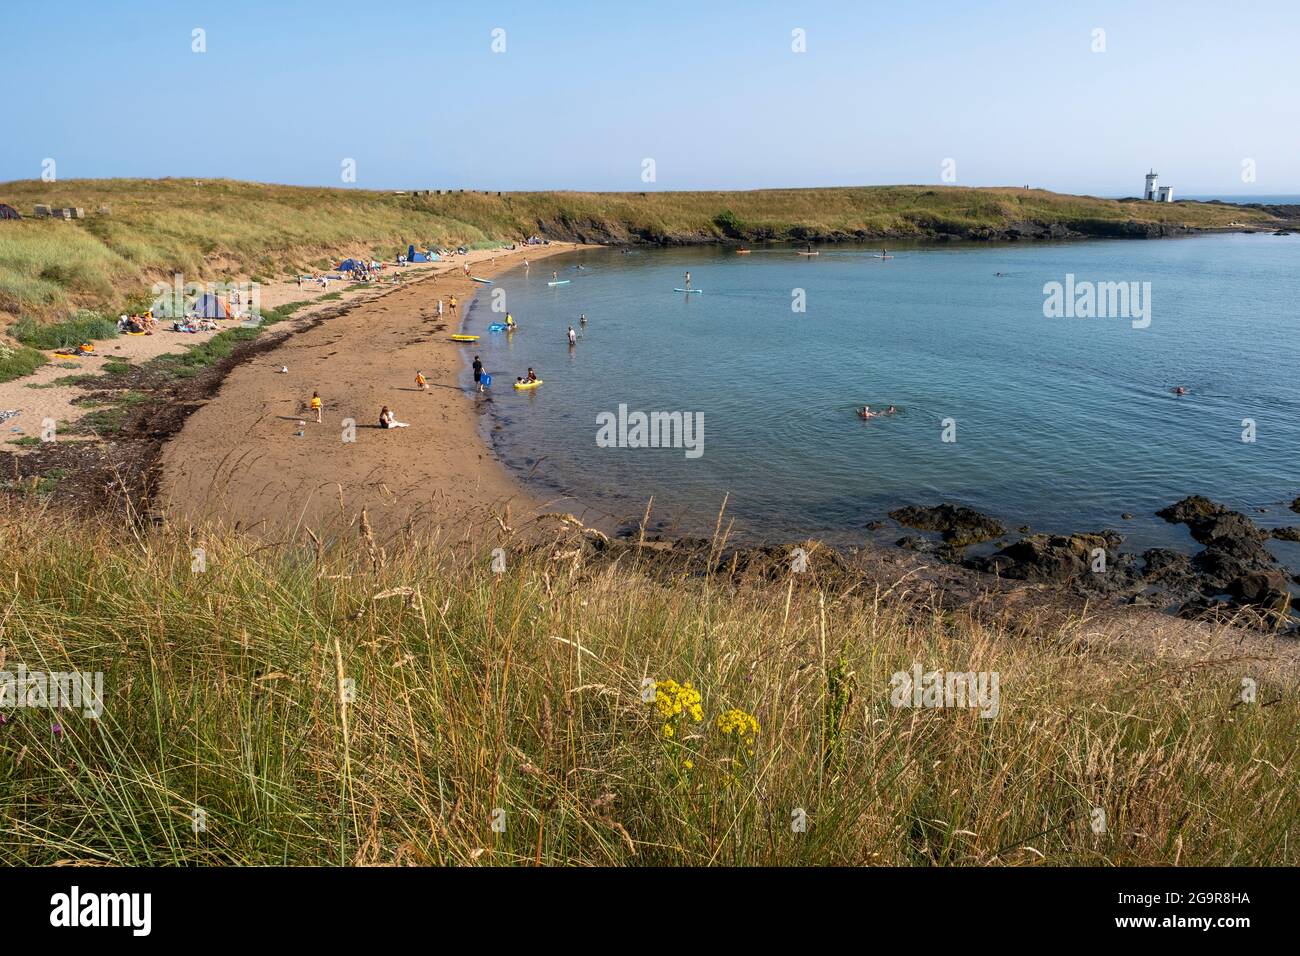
(242, 459)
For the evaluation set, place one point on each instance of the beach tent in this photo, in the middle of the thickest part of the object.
(8, 212)
(413, 256)
(347, 265)
(208, 306)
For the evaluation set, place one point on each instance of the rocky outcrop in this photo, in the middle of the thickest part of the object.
(1092, 561)
(959, 525)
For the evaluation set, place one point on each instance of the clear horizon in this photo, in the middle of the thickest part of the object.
(579, 98)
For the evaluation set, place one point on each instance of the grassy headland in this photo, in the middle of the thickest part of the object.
(356, 705)
(139, 231)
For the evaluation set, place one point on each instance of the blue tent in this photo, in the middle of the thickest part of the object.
(208, 306)
(413, 256)
(347, 265)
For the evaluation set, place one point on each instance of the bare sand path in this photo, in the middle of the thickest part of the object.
(239, 460)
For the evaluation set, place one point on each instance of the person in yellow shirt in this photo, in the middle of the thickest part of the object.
(421, 382)
(317, 405)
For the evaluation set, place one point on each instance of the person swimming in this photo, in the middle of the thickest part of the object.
(582, 319)
(1179, 390)
(865, 412)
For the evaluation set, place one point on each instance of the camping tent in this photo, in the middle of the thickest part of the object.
(8, 212)
(208, 306)
(413, 256)
(347, 265)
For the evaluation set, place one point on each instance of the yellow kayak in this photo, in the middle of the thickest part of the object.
(464, 338)
(523, 385)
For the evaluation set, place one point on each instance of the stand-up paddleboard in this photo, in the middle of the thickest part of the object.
(523, 386)
(497, 327)
(808, 253)
(696, 291)
(484, 281)
(464, 338)
(881, 257)
(743, 252)
(561, 282)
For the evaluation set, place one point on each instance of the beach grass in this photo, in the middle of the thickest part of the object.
(358, 704)
(19, 361)
(137, 232)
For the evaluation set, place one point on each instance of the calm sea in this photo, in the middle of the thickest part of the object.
(1062, 424)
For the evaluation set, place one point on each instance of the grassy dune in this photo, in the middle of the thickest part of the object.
(360, 706)
(152, 229)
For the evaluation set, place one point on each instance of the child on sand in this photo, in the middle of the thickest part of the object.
(421, 382)
(317, 405)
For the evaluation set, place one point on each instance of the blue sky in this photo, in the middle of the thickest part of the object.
(711, 91)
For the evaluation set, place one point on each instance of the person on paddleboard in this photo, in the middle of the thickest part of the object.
(688, 280)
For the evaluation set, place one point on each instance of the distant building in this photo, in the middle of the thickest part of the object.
(1154, 192)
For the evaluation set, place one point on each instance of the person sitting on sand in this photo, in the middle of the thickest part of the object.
(532, 376)
(421, 382)
(386, 419)
(317, 406)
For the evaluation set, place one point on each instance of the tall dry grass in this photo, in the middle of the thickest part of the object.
(365, 705)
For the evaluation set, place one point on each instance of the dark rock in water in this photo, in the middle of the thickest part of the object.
(1266, 590)
(1295, 505)
(874, 525)
(1287, 534)
(959, 525)
(1055, 558)
(1127, 516)
(1210, 522)
(1023, 529)
(914, 542)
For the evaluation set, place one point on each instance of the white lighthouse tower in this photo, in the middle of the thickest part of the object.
(1152, 193)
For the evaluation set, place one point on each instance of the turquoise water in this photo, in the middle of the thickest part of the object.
(1062, 424)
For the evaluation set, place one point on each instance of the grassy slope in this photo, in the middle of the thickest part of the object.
(219, 229)
(223, 692)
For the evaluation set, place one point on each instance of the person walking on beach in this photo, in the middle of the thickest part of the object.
(317, 406)
(421, 382)
(478, 373)
(573, 337)
(452, 304)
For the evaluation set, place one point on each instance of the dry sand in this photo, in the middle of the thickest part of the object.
(36, 398)
(239, 460)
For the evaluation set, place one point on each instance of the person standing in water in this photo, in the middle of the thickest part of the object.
(478, 373)
(582, 319)
(573, 337)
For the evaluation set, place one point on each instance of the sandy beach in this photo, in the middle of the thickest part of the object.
(241, 460)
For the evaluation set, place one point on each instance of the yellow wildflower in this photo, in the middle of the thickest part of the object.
(673, 699)
(740, 723)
